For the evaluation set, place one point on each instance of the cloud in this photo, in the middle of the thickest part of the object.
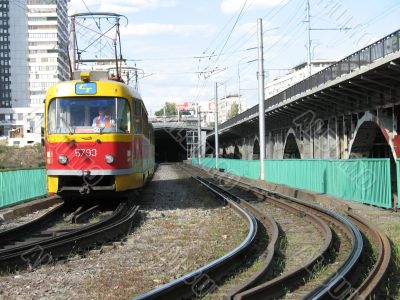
(134, 6)
(146, 29)
(233, 6)
(119, 6)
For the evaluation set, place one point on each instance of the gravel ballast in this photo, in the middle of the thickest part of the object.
(182, 228)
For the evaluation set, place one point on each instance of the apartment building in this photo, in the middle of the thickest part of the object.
(33, 39)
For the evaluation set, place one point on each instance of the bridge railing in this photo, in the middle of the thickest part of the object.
(371, 53)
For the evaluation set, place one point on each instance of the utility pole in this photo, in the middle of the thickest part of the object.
(73, 42)
(261, 110)
(199, 133)
(216, 126)
(309, 38)
(240, 110)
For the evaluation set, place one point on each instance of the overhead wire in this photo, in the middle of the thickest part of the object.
(288, 29)
(367, 23)
(272, 12)
(241, 12)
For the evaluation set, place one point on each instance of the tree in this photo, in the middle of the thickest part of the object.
(233, 111)
(170, 110)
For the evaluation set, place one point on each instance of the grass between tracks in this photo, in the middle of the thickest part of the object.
(171, 234)
(391, 289)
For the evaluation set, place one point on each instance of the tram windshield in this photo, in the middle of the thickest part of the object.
(89, 115)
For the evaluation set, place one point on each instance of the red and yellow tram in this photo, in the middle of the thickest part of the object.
(97, 136)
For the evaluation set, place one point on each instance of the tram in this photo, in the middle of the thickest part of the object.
(97, 136)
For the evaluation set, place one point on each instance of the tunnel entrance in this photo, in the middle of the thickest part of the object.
(371, 143)
(291, 148)
(171, 145)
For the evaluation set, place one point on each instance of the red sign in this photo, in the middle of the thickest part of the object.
(182, 106)
(211, 105)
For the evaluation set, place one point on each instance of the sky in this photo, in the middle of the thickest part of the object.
(185, 46)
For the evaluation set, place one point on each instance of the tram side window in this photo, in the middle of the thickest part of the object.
(59, 117)
(52, 120)
(145, 123)
(124, 116)
(137, 117)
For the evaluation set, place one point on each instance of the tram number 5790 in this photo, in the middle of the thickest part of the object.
(85, 152)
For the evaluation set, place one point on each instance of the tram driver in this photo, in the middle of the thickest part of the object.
(103, 119)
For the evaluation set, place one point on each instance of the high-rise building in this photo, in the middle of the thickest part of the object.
(19, 54)
(47, 45)
(33, 56)
(5, 92)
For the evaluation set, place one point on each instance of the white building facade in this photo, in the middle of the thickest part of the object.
(297, 74)
(38, 59)
(225, 105)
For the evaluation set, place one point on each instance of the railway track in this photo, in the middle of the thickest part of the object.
(202, 281)
(343, 283)
(275, 287)
(188, 286)
(45, 239)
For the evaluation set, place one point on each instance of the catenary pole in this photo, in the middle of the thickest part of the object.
(309, 38)
(199, 133)
(73, 42)
(261, 110)
(216, 126)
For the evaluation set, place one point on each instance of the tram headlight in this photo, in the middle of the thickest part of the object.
(62, 159)
(109, 158)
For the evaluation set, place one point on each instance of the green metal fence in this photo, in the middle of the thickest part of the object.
(20, 185)
(363, 180)
(243, 168)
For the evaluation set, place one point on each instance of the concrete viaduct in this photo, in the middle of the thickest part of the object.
(349, 110)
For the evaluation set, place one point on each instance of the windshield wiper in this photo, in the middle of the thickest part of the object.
(71, 129)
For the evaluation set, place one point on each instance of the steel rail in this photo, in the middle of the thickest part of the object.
(21, 230)
(273, 232)
(202, 281)
(85, 215)
(255, 288)
(332, 285)
(367, 287)
(44, 241)
(48, 249)
(273, 288)
(271, 226)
